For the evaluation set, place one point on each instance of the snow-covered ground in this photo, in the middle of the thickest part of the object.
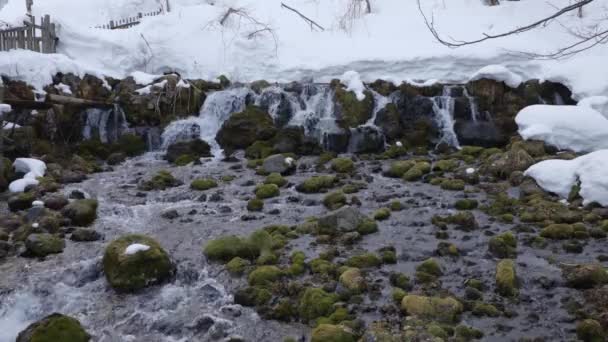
(391, 43)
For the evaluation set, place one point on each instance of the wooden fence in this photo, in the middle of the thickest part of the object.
(39, 38)
(128, 22)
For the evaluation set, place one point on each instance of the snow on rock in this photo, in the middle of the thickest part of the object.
(64, 88)
(498, 73)
(33, 168)
(352, 81)
(144, 78)
(19, 185)
(599, 103)
(559, 176)
(135, 248)
(578, 128)
(6, 125)
(38, 204)
(4, 108)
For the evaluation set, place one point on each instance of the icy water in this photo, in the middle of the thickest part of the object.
(197, 304)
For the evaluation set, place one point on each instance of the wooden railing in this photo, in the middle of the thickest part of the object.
(128, 22)
(39, 38)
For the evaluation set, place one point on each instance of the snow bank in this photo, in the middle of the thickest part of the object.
(9, 125)
(4, 108)
(578, 128)
(498, 73)
(33, 168)
(135, 248)
(558, 176)
(599, 103)
(352, 81)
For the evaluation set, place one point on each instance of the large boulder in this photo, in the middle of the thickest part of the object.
(345, 219)
(445, 310)
(278, 163)
(366, 139)
(81, 212)
(503, 164)
(244, 128)
(54, 328)
(351, 111)
(41, 245)
(133, 262)
(193, 149)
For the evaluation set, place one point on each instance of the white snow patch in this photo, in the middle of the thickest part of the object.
(38, 204)
(4, 108)
(470, 171)
(399, 144)
(558, 176)
(352, 81)
(498, 73)
(144, 78)
(578, 128)
(289, 161)
(63, 88)
(135, 248)
(147, 89)
(6, 125)
(33, 168)
(35, 225)
(599, 103)
(19, 185)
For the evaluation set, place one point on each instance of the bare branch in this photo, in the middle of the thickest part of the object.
(311, 22)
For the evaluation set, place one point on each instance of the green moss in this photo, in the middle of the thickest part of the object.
(367, 226)
(590, 330)
(81, 212)
(453, 184)
(267, 191)
(229, 247)
(396, 206)
(264, 275)
(21, 201)
(185, 159)
(484, 309)
(343, 165)
(131, 272)
(365, 260)
(430, 266)
(321, 266)
(316, 184)
(417, 171)
(352, 188)
(252, 296)
(463, 334)
(382, 214)
(276, 179)
(445, 310)
(586, 276)
(298, 265)
(398, 294)
(395, 151)
(332, 333)
(474, 151)
(41, 245)
(160, 181)
(315, 303)
(466, 204)
(131, 144)
(506, 278)
(352, 111)
(399, 168)
(353, 280)
(503, 245)
(259, 150)
(437, 331)
(237, 266)
(325, 157)
(334, 200)
(255, 204)
(203, 184)
(54, 328)
(445, 165)
(388, 256)
(558, 232)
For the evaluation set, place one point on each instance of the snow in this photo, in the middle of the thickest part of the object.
(4, 108)
(498, 73)
(38, 204)
(144, 78)
(399, 144)
(470, 171)
(63, 88)
(599, 103)
(578, 128)
(289, 161)
(135, 248)
(146, 90)
(352, 80)
(6, 125)
(33, 168)
(390, 43)
(558, 176)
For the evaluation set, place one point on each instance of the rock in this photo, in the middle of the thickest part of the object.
(55, 202)
(506, 278)
(343, 165)
(55, 328)
(332, 333)
(502, 165)
(350, 111)
(316, 303)
(480, 133)
(558, 231)
(585, 276)
(503, 246)
(264, 275)
(278, 163)
(345, 219)
(81, 212)
(160, 181)
(21, 201)
(244, 128)
(129, 271)
(85, 235)
(353, 280)
(317, 184)
(41, 245)
(446, 310)
(194, 149)
(590, 330)
(264, 191)
(203, 184)
(366, 139)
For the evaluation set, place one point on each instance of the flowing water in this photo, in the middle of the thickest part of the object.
(443, 106)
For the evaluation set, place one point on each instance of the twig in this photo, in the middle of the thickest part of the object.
(311, 22)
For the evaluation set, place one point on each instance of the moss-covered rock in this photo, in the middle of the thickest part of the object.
(417, 171)
(484, 309)
(81, 212)
(398, 168)
(453, 184)
(237, 266)
(160, 181)
(367, 226)
(446, 310)
(21, 201)
(428, 270)
(382, 214)
(130, 269)
(317, 184)
(365, 260)
(558, 232)
(446, 165)
(41, 245)
(503, 246)
(255, 204)
(353, 280)
(259, 150)
(264, 191)
(322, 266)
(264, 275)
(276, 179)
(502, 165)
(244, 128)
(192, 150)
(351, 111)
(332, 333)
(315, 303)
(585, 276)
(343, 165)
(54, 328)
(334, 200)
(229, 247)
(466, 204)
(464, 333)
(252, 296)
(203, 184)
(506, 278)
(590, 330)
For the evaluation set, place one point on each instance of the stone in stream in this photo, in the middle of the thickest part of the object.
(345, 219)
(193, 149)
(278, 163)
(85, 235)
(41, 245)
(135, 261)
(81, 212)
(54, 328)
(21, 201)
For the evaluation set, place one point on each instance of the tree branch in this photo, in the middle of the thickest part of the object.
(308, 20)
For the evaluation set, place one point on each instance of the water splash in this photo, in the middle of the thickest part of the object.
(443, 106)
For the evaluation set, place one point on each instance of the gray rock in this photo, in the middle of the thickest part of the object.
(345, 219)
(85, 235)
(276, 163)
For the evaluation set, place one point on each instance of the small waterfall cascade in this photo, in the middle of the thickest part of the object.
(444, 106)
(472, 104)
(316, 113)
(106, 124)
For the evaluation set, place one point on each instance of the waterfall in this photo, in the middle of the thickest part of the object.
(443, 106)
(106, 124)
(472, 105)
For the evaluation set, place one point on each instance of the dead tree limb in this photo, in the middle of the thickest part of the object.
(311, 22)
(457, 43)
(226, 15)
